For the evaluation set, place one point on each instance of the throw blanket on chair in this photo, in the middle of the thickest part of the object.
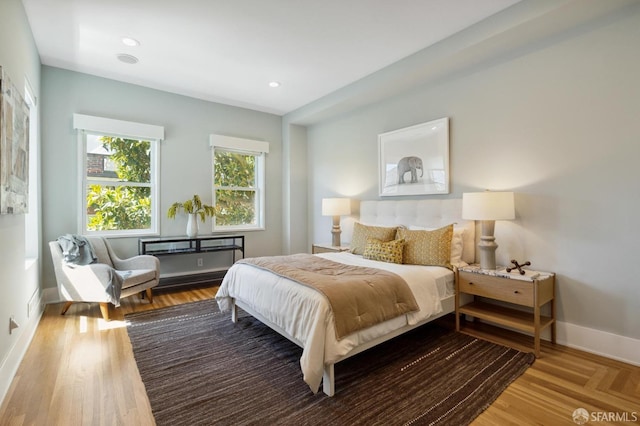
(359, 297)
(76, 250)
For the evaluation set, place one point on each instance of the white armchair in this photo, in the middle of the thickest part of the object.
(92, 283)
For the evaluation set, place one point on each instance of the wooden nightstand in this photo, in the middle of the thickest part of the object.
(533, 290)
(327, 248)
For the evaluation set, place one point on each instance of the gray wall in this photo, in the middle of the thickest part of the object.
(295, 187)
(185, 164)
(555, 120)
(19, 59)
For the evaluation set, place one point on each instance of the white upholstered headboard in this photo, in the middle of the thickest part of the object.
(425, 213)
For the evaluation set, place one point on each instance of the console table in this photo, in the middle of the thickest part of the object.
(176, 246)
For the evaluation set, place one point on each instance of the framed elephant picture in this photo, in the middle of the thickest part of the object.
(415, 160)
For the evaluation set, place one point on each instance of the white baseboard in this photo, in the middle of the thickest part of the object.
(50, 295)
(621, 348)
(9, 367)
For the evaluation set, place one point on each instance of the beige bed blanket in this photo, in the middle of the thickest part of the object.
(360, 297)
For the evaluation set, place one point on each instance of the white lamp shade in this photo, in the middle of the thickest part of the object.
(336, 206)
(488, 205)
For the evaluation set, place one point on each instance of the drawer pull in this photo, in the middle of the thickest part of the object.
(516, 292)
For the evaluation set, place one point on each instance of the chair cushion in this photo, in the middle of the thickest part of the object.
(135, 277)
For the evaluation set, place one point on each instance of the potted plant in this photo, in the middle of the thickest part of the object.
(193, 208)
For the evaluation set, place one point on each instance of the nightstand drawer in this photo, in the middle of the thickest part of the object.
(505, 289)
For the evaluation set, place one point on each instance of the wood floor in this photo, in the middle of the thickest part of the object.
(79, 370)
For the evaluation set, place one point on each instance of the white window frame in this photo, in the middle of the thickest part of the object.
(86, 124)
(243, 146)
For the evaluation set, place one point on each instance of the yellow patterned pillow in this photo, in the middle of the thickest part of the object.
(432, 248)
(362, 232)
(390, 251)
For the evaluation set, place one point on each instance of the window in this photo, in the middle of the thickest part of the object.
(119, 182)
(238, 183)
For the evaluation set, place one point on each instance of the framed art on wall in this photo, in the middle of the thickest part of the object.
(415, 160)
(14, 149)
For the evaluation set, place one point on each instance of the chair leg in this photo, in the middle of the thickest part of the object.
(104, 308)
(149, 295)
(65, 308)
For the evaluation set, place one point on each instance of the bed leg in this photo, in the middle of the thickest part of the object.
(328, 380)
(234, 312)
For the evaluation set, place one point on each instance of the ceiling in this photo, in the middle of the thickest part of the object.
(228, 51)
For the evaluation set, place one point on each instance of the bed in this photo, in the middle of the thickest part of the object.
(303, 314)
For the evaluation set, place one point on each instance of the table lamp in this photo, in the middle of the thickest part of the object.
(336, 207)
(487, 207)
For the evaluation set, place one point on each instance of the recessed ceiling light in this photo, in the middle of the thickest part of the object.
(274, 84)
(131, 42)
(126, 58)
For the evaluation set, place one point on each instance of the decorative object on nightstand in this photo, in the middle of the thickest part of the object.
(488, 207)
(336, 207)
(518, 266)
(327, 248)
(533, 290)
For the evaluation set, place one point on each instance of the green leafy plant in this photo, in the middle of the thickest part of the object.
(192, 206)
(111, 207)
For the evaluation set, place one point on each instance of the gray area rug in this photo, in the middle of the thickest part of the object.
(201, 369)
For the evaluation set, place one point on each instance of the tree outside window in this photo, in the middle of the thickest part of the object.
(238, 178)
(118, 184)
(235, 188)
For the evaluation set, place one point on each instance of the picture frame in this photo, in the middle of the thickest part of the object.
(415, 160)
(14, 148)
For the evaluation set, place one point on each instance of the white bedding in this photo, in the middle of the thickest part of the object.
(305, 315)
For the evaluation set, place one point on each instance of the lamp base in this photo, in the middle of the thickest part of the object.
(335, 232)
(487, 245)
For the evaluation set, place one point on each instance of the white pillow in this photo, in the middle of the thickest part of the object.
(456, 244)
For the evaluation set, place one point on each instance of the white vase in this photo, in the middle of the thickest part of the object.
(192, 225)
